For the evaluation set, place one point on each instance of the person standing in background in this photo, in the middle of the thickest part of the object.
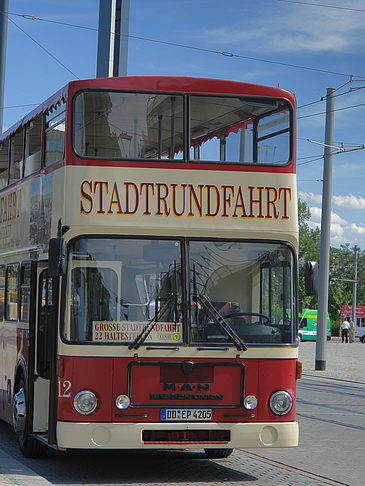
(351, 331)
(345, 326)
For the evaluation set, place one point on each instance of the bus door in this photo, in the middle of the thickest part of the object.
(45, 379)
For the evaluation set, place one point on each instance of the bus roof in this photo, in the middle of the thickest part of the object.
(182, 84)
(52, 100)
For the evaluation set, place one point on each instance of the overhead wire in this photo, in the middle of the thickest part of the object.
(18, 106)
(42, 47)
(331, 111)
(312, 4)
(310, 161)
(323, 98)
(224, 53)
(186, 46)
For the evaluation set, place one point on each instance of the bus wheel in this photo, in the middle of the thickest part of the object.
(29, 446)
(218, 453)
(300, 339)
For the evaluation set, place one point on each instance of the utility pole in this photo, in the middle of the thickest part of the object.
(320, 362)
(3, 37)
(356, 249)
(113, 31)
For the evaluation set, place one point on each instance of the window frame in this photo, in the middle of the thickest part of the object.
(186, 292)
(5, 171)
(20, 132)
(184, 308)
(253, 98)
(142, 92)
(46, 129)
(186, 128)
(27, 128)
(7, 318)
(2, 291)
(21, 286)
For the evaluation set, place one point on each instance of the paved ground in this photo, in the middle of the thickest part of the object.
(13, 472)
(343, 362)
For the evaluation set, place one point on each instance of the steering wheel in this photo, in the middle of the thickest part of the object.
(230, 315)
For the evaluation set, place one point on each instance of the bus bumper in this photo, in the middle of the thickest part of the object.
(80, 435)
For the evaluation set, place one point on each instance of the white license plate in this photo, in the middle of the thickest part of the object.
(186, 414)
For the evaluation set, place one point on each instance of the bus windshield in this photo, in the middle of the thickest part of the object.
(226, 129)
(118, 286)
(248, 285)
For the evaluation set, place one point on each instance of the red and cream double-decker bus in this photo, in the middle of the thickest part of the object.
(148, 267)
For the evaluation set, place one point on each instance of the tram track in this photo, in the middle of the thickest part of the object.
(310, 375)
(323, 480)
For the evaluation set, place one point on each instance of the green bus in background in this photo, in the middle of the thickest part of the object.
(308, 325)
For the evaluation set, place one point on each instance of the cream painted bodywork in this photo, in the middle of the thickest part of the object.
(40, 202)
(180, 352)
(41, 405)
(129, 436)
(96, 202)
(31, 211)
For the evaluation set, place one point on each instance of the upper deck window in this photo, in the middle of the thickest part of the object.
(55, 134)
(4, 163)
(239, 129)
(221, 129)
(116, 125)
(33, 146)
(16, 157)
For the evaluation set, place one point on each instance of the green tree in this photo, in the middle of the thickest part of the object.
(309, 249)
(341, 286)
(341, 269)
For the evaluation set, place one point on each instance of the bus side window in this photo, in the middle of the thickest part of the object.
(47, 317)
(33, 145)
(4, 163)
(11, 292)
(55, 134)
(16, 156)
(2, 291)
(25, 279)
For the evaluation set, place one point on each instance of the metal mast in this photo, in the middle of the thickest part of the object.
(112, 52)
(356, 249)
(320, 362)
(3, 35)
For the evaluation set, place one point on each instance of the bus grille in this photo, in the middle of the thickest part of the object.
(186, 436)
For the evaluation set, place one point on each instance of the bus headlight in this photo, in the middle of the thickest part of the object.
(122, 402)
(281, 402)
(250, 402)
(85, 402)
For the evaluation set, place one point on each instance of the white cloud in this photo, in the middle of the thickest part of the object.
(309, 196)
(336, 219)
(340, 228)
(302, 28)
(316, 214)
(337, 231)
(358, 229)
(349, 201)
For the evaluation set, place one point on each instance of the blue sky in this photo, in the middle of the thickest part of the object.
(327, 41)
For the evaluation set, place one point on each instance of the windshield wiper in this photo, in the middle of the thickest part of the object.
(212, 311)
(143, 335)
(222, 323)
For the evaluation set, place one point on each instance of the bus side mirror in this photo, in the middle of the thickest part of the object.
(311, 278)
(57, 257)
